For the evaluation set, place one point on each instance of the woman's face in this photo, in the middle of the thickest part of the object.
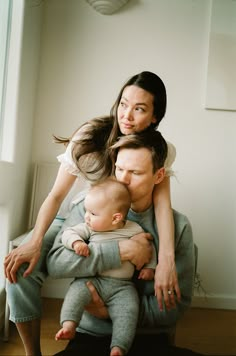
(135, 111)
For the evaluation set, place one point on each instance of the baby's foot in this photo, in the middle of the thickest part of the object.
(65, 334)
(116, 351)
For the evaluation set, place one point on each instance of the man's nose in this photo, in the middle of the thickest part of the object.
(124, 178)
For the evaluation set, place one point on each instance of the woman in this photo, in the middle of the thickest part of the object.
(141, 103)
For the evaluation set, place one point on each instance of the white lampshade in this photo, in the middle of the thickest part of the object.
(107, 7)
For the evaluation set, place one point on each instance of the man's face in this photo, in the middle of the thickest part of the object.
(135, 169)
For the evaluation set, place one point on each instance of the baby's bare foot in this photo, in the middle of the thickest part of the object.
(65, 334)
(116, 351)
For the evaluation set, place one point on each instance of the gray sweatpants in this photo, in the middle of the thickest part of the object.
(121, 299)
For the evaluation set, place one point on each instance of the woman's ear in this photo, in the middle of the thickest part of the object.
(154, 120)
(160, 175)
(116, 218)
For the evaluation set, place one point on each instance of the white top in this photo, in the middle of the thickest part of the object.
(81, 185)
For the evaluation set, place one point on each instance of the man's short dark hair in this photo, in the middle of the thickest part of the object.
(150, 139)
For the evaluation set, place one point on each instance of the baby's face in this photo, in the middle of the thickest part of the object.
(98, 214)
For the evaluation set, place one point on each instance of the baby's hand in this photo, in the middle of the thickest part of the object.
(147, 274)
(81, 248)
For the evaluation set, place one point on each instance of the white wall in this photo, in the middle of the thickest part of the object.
(86, 57)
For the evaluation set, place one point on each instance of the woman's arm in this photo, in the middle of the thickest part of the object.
(165, 275)
(30, 251)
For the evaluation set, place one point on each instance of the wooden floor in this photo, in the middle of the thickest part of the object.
(208, 331)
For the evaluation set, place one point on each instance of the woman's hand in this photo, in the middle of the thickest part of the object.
(29, 253)
(96, 307)
(137, 249)
(166, 284)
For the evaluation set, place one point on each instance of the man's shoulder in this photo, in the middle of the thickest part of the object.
(181, 221)
(76, 215)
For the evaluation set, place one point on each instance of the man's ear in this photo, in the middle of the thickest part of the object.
(160, 175)
(116, 218)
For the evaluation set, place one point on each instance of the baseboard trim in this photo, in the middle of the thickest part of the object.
(214, 302)
(56, 288)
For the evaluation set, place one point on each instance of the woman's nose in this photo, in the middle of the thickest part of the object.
(128, 114)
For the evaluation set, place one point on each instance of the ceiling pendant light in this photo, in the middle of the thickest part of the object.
(107, 7)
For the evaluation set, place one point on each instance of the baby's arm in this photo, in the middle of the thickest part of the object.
(73, 239)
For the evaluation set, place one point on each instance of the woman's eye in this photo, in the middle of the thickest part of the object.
(139, 109)
(122, 104)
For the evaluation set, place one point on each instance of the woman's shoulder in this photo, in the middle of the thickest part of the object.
(171, 149)
(171, 155)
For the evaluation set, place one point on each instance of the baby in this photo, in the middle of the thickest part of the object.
(107, 204)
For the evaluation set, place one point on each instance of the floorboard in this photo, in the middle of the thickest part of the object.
(207, 331)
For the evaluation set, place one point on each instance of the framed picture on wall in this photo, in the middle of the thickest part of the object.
(221, 71)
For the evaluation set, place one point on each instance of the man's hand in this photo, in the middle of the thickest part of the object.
(147, 274)
(96, 307)
(137, 249)
(166, 285)
(26, 253)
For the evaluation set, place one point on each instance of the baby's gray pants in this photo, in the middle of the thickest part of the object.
(121, 299)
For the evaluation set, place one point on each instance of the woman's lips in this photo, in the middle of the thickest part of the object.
(127, 126)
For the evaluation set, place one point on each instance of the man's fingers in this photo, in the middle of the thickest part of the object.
(141, 236)
(91, 287)
(95, 296)
(148, 236)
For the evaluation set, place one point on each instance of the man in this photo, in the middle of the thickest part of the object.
(139, 161)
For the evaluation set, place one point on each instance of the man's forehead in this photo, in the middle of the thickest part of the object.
(133, 157)
(140, 151)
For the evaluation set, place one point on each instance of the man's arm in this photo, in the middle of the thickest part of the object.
(64, 263)
(150, 314)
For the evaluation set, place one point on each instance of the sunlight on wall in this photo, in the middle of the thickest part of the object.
(11, 24)
(4, 240)
(4, 248)
(11, 38)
